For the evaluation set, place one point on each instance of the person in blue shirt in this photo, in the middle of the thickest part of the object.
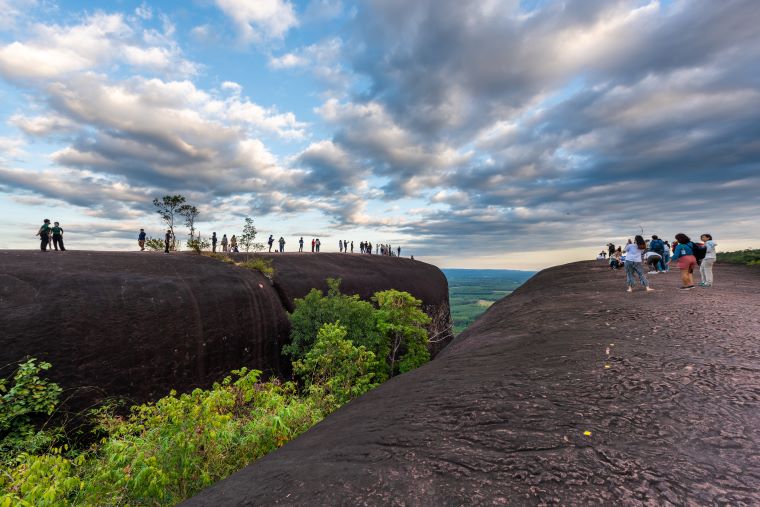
(141, 240)
(684, 254)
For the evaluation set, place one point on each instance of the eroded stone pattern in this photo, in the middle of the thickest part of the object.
(570, 391)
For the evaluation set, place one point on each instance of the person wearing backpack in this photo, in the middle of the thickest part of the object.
(684, 254)
(706, 266)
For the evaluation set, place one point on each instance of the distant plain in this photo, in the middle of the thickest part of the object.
(473, 291)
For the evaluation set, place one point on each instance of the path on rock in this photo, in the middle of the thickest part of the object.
(569, 391)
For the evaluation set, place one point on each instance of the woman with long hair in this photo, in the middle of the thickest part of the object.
(634, 263)
(705, 269)
(684, 254)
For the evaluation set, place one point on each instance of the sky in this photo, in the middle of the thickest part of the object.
(481, 134)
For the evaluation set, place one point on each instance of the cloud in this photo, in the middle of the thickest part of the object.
(56, 51)
(260, 20)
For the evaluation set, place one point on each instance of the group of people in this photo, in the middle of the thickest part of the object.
(657, 255)
(51, 236)
(228, 245)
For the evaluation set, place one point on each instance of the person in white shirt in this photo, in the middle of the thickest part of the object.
(634, 253)
(706, 268)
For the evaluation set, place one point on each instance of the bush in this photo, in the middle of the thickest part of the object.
(316, 310)
(28, 396)
(749, 257)
(402, 323)
(167, 451)
(198, 244)
(335, 371)
(259, 264)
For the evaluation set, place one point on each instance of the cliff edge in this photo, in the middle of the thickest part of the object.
(568, 391)
(134, 325)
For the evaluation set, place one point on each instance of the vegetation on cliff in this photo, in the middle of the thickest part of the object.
(166, 451)
(749, 257)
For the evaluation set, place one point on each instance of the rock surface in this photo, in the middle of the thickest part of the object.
(569, 391)
(135, 325)
(296, 274)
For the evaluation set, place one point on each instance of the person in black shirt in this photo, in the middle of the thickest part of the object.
(44, 234)
(213, 242)
(58, 236)
(167, 240)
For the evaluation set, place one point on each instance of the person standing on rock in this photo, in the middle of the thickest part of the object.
(340, 245)
(224, 242)
(399, 251)
(233, 244)
(634, 253)
(141, 240)
(167, 240)
(684, 254)
(282, 244)
(300, 245)
(318, 244)
(313, 242)
(270, 241)
(44, 234)
(57, 232)
(213, 242)
(352, 246)
(705, 269)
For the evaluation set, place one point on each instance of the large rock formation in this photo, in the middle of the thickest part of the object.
(136, 325)
(569, 391)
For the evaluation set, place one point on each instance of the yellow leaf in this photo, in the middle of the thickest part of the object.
(587, 433)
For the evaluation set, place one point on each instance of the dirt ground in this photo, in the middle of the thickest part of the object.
(569, 391)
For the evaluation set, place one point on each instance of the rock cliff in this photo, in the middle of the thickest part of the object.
(135, 325)
(569, 391)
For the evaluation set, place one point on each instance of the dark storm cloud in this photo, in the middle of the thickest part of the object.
(577, 114)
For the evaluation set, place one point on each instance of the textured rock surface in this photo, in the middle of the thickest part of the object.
(667, 384)
(135, 325)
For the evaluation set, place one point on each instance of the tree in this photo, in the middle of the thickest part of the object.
(189, 213)
(335, 370)
(402, 322)
(355, 315)
(168, 207)
(247, 239)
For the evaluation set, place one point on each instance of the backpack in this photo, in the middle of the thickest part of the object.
(657, 245)
(699, 251)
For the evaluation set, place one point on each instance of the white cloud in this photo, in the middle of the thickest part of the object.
(260, 19)
(144, 11)
(55, 51)
(287, 61)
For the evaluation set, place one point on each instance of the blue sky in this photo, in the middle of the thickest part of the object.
(514, 134)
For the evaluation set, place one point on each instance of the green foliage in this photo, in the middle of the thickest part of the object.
(155, 244)
(259, 264)
(41, 480)
(168, 208)
(167, 451)
(247, 239)
(395, 330)
(24, 397)
(190, 214)
(749, 257)
(198, 244)
(316, 309)
(220, 257)
(335, 371)
(402, 323)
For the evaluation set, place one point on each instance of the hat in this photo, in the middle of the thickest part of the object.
(47, 220)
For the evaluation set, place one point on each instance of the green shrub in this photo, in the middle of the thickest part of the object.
(198, 244)
(24, 397)
(749, 257)
(402, 323)
(335, 370)
(220, 257)
(316, 309)
(259, 264)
